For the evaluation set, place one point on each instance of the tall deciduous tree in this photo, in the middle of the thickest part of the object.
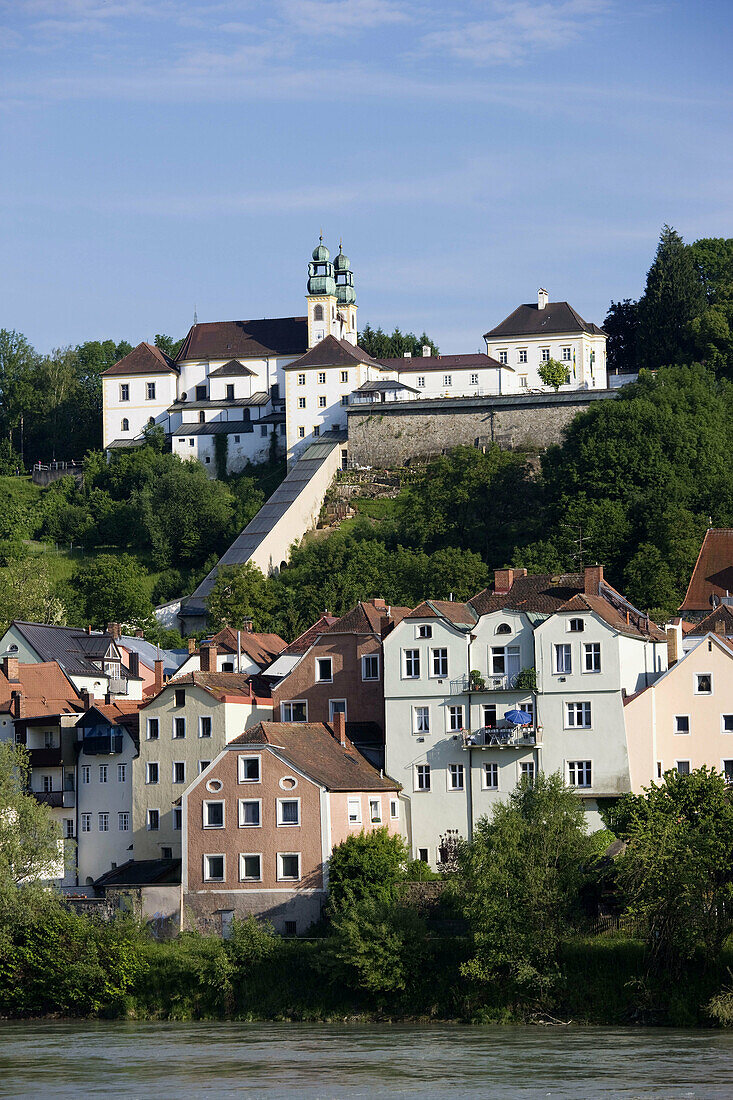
(30, 840)
(672, 298)
(111, 588)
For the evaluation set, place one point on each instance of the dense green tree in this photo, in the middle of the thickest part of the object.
(553, 373)
(366, 865)
(240, 592)
(622, 326)
(380, 345)
(111, 588)
(168, 345)
(378, 945)
(672, 298)
(26, 592)
(21, 397)
(31, 848)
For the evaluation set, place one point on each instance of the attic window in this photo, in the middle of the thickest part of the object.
(576, 626)
(503, 628)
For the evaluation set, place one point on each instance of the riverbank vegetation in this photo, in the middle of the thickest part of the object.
(533, 920)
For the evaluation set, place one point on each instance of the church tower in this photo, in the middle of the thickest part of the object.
(322, 315)
(346, 297)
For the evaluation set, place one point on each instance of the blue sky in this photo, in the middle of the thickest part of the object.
(157, 155)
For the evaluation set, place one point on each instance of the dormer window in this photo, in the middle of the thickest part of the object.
(503, 628)
(576, 626)
(424, 632)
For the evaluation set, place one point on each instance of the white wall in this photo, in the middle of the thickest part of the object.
(449, 381)
(138, 409)
(526, 375)
(97, 850)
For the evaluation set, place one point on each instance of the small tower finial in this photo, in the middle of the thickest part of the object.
(195, 316)
(320, 238)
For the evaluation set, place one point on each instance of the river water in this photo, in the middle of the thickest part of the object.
(324, 1062)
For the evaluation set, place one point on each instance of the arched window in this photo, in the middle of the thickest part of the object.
(125, 425)
(317, 313)
(503, 628)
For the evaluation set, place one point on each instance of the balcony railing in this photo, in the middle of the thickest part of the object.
(102, 744)
(56, 799)
(502, 737)
(498, 682)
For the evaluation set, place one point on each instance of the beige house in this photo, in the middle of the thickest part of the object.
(182, 729)
(684, 719)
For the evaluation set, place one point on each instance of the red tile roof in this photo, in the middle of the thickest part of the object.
(331, 352)
(460, 614)
(245, 339)
(625, 621)
(722, 614)
(262, 648)
(45, 690)
(144, 359)
(305, 640)
(313, 748)
(542, 593)
(238, 686)
(712, 577)
(366, 618)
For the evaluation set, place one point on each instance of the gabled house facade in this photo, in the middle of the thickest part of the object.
(261, 821)
(232, 650)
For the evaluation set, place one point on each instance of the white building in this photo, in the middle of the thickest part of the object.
(533, 334)
(565, 650)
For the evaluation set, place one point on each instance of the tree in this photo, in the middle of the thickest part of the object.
(366, 865)
(240, 592)
(379, 345)
(111, 589)
(622, 326)
(553, 373)
(30, 840)
(677, 870)
(522, 876)
(185, 514)
(168, 345)
(379, 945)
(673, 297)
(26, 593)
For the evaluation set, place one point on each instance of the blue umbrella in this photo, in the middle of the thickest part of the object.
(518, 717)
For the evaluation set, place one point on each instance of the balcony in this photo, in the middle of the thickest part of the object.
(45, 758)
(102, 744)
(502, 737)
(56, 799)
(490, 683)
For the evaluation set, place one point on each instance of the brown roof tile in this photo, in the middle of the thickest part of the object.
(712, 577)
(45, 690)
(262, 648)
(542, 593)
(313, 748)
(460, 614)
(305, 640)
(722, 614)
(630, 622)
(144, 359)
(222, 685)
(557, 318)
(331, 352)
(366, 618)
(245, 339)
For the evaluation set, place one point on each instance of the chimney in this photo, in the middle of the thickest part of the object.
(505, 578)
(246, 626)
(139, 633)
(115, 630)
(134, 664)
(593, 580)
(87, 699)
(17, 704)
(426, 351)
(542, 298)
(339, 728)
(89, 628)
(208, 656)
(10, 669)
(673, 652)
(191, 645)
(379, 604)
(158, 683)
(385, 625)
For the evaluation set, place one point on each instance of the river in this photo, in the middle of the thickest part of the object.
(325, 1062)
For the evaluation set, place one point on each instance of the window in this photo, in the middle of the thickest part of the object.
(190, 443)
(301, 432)
(151, 772)
(179, 728)
(545, 355)
(411, 662)
(230, 391)
(489, 711)
(250, 867)
(344, 403)
(201, 393)
(123, 822)
(523, 355)
(301, 379)
(503, 628)
(421, 381)
(704, 683)
(447, 379)
(69, 828)
(344, 376)
(421, 719)
(681, 723)
(474, 380)
(659, 769)
(566, 355)
(592, 657)
(294, 711)
(85, 773)
(375, 811)
(579, 773)
(203, 765)
(490, 777)
(440, 662)
(576, 626)
(124, 392)
(122, 773)
(153, 820)
(523, 383)
(318, 313)
(86, 823)
(102, 773)
(505, 660)
(726, 723)
(179, 697)
(424, 631)
(682, 766)
(301, 402)
(288, 866)
(503, 358)
(150, 391)
(353, 809)
(455, 777)
(179, 771)
(236, 439)
(394, 809)
(103, 820)
(422, 777)
(213, 815)
(563, 659)
(248, 769)
(321, 402)
(125, 424)
(177, 817)
(152, 729)
(422, 855)
(166, 853)
(336, 706)
(250, 813)
(370, 667)
(526, 771)
(47, 784)
(577, 716)
(205, 726)
(324, 670)
(455, 718)
(316, 430)
(214, 868)
(288, 811)
(727, 772)
(322, 377)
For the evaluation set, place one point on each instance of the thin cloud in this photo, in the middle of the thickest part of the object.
(342, 17)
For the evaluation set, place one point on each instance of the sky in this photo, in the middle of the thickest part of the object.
(161, 156)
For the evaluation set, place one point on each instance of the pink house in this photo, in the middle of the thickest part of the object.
(261, 821)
